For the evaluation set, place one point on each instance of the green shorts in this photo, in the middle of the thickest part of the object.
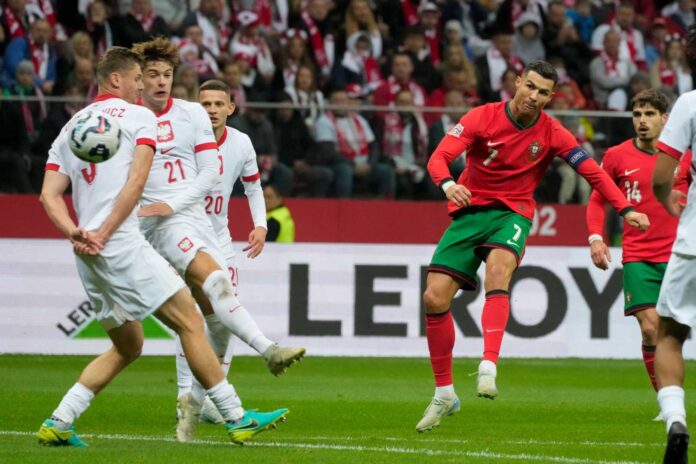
(642, 282)
(471, 236)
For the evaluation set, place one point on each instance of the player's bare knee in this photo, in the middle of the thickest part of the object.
(435, 301)
(131, 352)
(498, 276)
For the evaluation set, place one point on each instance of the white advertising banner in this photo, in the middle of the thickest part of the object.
(339, 299)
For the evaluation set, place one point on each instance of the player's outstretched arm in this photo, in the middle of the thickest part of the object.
(128, 197)
(662, 182)
(595, 217)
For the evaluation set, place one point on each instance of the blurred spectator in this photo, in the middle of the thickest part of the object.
(359, 17)
(249, 42)
(295, 53)
(192, 50)
(454, 102)
(508, 85)
(510, 12)
(581, 16)
(281, 226)
(104, 31)
(347, 134)
(357, 67)
(258, 127)
(273, 14)
(305, 92)
(141, 23)
(430, 22)
(21, 121)
(609, 70)
(527, 42)
(564, 79)
(314, 21)
(251, 80)
(404, 137)
(453, 79)
(632, 46)
(84, 76)
(424, 72)
(455, 57)
(16, 18)
(561, 38)
(216, 32)
(453, 35)
(180, 92)
(672, 68)
(79, 46)
(655, 45)
(493, 64)
(473, 18)
(620, 100)
(232, 75)
(297, 148)
(682, 12)
(186, 76)
(400, 79)
(35, 47)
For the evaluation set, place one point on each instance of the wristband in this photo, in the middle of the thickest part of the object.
(447, 184)
(594, 237)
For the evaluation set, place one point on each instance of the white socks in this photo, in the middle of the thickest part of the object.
(444, 393)
(226, 401)
(218, 335)
(184, 376)
(74, 403)
(671, 400)
(231, 313)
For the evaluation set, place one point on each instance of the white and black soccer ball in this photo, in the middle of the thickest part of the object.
(95, 136)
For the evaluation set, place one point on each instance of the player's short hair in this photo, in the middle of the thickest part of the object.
(544, 69)
(117, 60)
(215, 84)
(158, 49)
(651, 97)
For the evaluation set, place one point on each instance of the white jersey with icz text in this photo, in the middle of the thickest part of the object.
(678, 135)
(238, 162)
(95, 187)
(185, 140)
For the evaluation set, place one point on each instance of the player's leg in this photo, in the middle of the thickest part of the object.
(648, 321)
(58, 430)
(213, 289)
(179, 313)
(500, 265)
(502, 251)
(676, 307)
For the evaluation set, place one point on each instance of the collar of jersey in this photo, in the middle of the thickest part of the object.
(104, 96)
(223, 138)
(515, 122)
(166, 109)
(635, 144)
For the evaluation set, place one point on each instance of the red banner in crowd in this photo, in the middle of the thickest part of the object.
(334, 221)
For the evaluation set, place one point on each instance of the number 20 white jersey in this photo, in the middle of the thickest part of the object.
(95, 187)
(238, 161)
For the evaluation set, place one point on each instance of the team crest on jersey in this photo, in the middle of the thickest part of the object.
(533, 151)
(185, 244)
(457, 130)
(165, 133)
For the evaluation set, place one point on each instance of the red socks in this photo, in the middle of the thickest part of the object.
(439, 330)
(649, 361)
(495, 315)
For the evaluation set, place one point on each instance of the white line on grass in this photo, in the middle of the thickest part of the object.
(530, 441)
(333, 447)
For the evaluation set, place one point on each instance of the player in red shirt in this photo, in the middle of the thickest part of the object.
(509, 145)
(645, 254)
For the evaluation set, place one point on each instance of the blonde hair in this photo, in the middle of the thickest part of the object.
(351, 23)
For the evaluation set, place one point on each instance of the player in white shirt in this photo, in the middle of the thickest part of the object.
(125, 279)
(676, 304)
(187, 168)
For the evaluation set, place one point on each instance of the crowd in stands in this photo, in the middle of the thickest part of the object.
(305, 54)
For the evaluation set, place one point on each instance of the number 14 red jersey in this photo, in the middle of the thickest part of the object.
(505, 162)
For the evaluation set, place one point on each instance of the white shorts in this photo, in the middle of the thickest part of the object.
(128, 281)
(677, 298)
(179, 238)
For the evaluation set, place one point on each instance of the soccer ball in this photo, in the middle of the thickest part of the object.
(95, 137)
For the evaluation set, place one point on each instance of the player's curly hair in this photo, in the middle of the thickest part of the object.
(651, 97)
(158, 49)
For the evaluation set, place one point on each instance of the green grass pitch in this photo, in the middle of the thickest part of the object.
(350, 410)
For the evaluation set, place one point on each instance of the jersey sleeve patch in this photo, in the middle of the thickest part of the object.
(457, 130)
(52, 167)
(576, 157)
(205, 146)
